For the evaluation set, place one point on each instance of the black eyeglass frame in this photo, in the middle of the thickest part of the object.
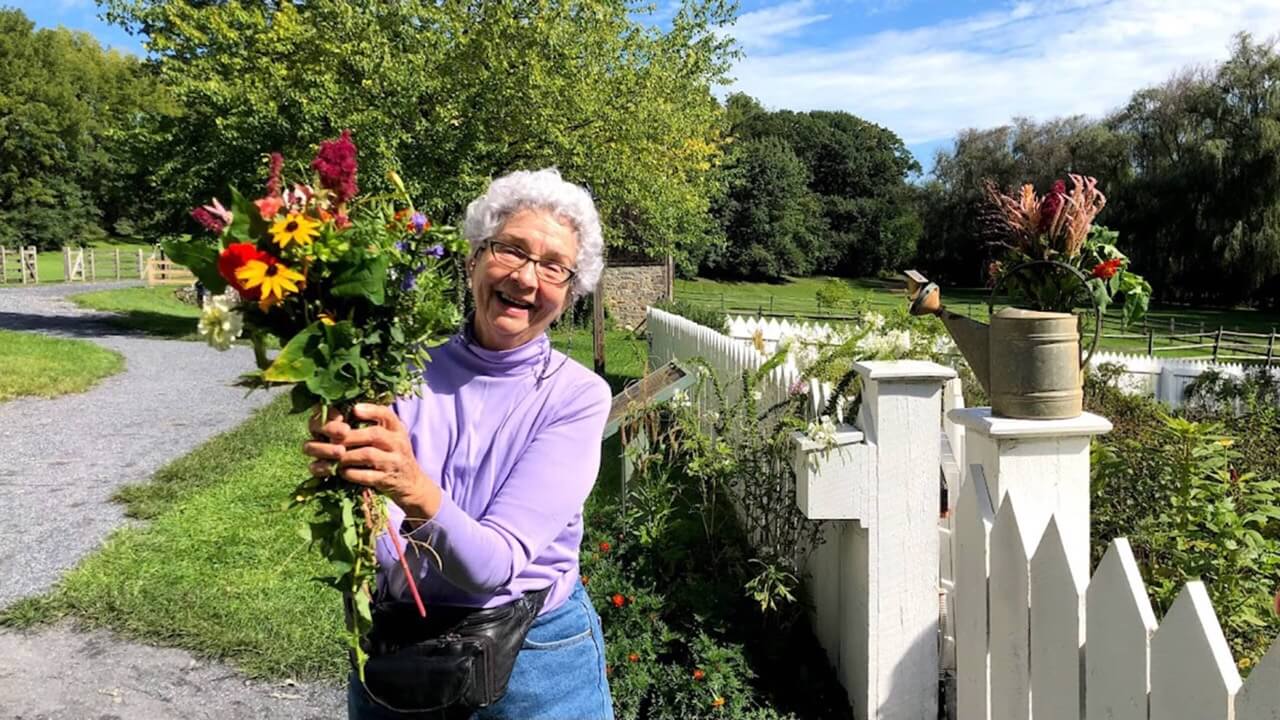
(537, 262)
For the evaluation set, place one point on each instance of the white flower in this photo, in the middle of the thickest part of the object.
(680, 400)
(822, 432)
(219, 323)
(873, 320)
(757, 395)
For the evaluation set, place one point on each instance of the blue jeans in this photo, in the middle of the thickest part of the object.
(559, 674)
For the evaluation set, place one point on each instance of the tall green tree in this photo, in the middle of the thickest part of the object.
(451, 93)
(772, 219)
(70, 113)
(857, 173)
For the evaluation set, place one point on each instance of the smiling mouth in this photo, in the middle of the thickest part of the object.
(512, 302)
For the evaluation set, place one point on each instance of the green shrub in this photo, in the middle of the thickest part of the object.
(704, 316)
(1187, 496)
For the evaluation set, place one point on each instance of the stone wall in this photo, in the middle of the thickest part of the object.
(629, 289)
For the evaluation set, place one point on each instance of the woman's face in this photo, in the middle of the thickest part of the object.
(514, 306)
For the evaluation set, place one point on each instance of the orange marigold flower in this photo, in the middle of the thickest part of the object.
(633, 657)
(585, 579)
(718, 702)
(698, 674)
(605, 546)
(618, 600)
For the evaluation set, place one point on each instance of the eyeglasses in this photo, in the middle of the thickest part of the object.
(514, 258)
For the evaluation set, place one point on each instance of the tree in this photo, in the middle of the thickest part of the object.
(68, 110)
(451, 94)
(857, 172)
(772, 219)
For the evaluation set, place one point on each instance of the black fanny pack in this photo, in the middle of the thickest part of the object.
(456, 657)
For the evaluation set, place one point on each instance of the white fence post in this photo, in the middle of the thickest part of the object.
(1043, 464)
(901, 417)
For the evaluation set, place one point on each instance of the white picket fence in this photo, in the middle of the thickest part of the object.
(1017, 605)
(1035, 637)
(1162, 378)
(675, 337)
(1165, 379)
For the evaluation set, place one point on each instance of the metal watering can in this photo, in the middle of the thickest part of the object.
(1028, 361)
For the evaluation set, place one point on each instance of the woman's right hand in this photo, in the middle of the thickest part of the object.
(326, 453)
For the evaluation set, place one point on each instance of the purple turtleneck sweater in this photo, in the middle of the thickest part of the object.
(513, 439)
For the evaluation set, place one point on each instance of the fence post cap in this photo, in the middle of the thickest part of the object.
(981, 420)
(903, 370)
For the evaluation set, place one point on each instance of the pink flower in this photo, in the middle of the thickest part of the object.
(298, 197)
(335, 163)
(269, 206)
(216, 209)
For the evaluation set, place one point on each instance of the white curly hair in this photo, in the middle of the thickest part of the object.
(542, 190)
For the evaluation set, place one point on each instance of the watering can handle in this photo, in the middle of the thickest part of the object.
(1097, 311)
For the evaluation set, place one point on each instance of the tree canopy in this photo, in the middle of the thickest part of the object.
(451, 94)
(855, 186)
(73, 125)
(1191, 169)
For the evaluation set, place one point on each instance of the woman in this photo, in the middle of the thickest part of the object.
(491, 466)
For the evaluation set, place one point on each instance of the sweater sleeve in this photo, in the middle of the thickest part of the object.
(545, 489)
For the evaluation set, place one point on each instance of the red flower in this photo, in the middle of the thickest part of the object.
(618, 600)
(210, 222)
(698, 674)
(605, 547)
(335, 163)
(1105, 270)
(1052, 204)
(633, 657)
(235, 257)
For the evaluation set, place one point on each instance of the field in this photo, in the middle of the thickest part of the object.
(1168, 331)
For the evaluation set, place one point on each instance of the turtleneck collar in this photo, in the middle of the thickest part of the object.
(532, 356)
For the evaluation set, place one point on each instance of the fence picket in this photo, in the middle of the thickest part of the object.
(1119, 623)
(974, 518)
(1192, 674)
(1010, 617)
(1259, 699)
(1057, 626)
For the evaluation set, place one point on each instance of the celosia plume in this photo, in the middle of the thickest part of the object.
(335, 163)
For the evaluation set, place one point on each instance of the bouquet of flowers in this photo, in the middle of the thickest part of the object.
(354, 290)
(1056, 230)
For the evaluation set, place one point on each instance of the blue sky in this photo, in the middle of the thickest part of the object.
(929, 68)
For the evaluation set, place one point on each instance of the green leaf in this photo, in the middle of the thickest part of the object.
(367, 279)
(198, 256)
(293, 363)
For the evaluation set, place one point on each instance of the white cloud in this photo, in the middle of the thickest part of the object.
(1035, 59)
(764, 29)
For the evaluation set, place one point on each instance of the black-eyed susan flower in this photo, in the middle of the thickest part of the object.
(294, 228)
(271, 278)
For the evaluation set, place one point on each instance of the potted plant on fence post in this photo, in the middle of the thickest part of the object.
(1053, 263)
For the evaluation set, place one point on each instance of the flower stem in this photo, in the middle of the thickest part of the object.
(394, 534)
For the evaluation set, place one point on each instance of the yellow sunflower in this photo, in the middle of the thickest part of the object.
(294, 228)
(272, 279)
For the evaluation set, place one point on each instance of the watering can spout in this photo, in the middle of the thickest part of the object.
(971, 336)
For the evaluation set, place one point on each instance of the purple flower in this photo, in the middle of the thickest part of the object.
(419, 222)
(436, 251)
(402, 246)
(410, 281)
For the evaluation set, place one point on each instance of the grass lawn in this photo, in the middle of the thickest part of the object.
(221, 568)
(797, 298)
(154, 310)
(36, 365)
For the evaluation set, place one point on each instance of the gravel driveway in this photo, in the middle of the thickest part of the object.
(60, 461)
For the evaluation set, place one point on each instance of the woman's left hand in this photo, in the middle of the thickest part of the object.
(380, 456)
